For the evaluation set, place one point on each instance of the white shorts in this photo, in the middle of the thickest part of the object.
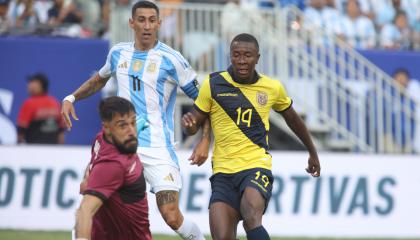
(161, 174)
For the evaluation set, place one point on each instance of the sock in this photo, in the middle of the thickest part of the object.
(258, 233)
(189, 231)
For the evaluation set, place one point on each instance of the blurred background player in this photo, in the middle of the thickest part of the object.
(114, 204)
(39, 119)
(240, 100)
(148, 72)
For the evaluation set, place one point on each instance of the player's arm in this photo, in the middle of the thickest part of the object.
(88, 207)
(193, 120)
(102, 181)
(201, 150)
(297, 125)
(88, 88)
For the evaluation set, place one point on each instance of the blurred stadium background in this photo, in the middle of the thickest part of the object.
(337, 60)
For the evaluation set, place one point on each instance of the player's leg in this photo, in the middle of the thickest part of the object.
(223, 221)
(167, 202)
(252, 210)
(165, 181)
(256, 189)
(224, 207)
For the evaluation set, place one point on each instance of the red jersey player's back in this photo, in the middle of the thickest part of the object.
(117, 179)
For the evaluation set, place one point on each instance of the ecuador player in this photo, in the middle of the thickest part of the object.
(238, 102)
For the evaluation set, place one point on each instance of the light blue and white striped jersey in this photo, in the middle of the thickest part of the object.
(150, 80)
(359, 33)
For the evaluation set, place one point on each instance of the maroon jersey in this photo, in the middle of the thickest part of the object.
(117, 179)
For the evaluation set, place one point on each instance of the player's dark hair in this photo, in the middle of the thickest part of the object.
(42, 79)
(108, 107)
(245, 37)
(144, 4)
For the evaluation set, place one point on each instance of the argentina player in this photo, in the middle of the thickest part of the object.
(148, 73)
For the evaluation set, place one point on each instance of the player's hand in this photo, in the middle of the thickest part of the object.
(67, 109)
(200, 153)
(314, 168)
(189, 123)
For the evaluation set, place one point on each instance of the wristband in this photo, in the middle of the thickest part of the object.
(82, 239)
(71, 99)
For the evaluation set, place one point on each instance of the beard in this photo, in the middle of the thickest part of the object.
(127, 147)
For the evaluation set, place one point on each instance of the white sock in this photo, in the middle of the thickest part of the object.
(189, 231)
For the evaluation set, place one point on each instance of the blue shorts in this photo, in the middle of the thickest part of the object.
(228, 188)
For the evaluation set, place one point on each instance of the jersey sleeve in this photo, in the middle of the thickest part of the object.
(104, 179)
(204, 99)
(185, 76)
(282, 101)
(25, 115)
(110, 64)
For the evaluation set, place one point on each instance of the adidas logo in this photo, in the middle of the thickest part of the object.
(123, 65)
(169, 178)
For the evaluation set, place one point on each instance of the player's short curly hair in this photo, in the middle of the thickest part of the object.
(108, 107)
(144, 4)
(245, 37)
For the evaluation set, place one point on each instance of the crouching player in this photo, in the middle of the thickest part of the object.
(114, 205)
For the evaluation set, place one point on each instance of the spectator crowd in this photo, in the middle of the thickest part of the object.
(384, 24)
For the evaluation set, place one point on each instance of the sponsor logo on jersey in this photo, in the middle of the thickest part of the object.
(227, 94)
(123, 65)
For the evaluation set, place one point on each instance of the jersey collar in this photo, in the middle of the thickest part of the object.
(254, 80)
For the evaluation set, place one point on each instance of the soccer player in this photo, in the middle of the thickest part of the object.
(147, 73)
(238, 102)
(114, 205)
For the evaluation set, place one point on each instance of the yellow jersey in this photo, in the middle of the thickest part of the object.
(239, 116)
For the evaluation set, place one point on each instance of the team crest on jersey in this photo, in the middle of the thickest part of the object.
(137, 65)
(151, 67)
(262, 98)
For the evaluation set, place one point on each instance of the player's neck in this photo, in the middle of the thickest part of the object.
(144, 47)
(108, 139)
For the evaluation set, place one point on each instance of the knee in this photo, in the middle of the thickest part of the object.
(173, 218)
(252, 218)
(251, 222)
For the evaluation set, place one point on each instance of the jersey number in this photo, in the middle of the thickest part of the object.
(244, 116)
(264, 178)
(136, 82)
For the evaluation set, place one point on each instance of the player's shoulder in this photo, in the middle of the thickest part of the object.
(214, 77)
(269, 80)
(172, 54)
(122, 45)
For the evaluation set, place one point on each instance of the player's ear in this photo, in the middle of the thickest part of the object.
(258, 58)
(131, 23)
(105, 126)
